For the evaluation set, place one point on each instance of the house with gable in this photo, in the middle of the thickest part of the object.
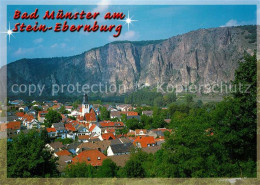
(107, 136)
(20, 115)
(52, 133)
(62, 153)
(111, 125)
(71, 131)
(72, 148)
(140, 132)
(61, 130)
(124, 107)
(144, 141)
(81, 130)
(55, 146)
(148, 113)
(95, 130)
(83, 138)
(30, 122)
(119, 149)
(92, 157)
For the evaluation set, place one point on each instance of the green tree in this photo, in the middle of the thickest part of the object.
(28, 157)
(146, 121)
(36, 108)
(80, 170)
(75, 104)
(158, 122)
(214, 141)
(133, 124)
(123, 118)
(44, 136)
(159, 101)
(189, 99)
(139, 165)
(181, 108)
(170, 98)
(72, 117)
(199, 104)
(104, 113)
(62, 109)
(52, 117)
(122, 131)
(65, 141)
(108, 169)
(134, 169)
(235, 118)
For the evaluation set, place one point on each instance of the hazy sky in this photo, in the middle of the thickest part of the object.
(154, 22)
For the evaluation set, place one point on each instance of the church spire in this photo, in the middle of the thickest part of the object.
(85, 99)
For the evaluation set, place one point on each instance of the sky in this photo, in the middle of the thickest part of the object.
(153, 23)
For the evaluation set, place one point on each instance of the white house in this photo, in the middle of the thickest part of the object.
(75, 113)
(33, 124)
(119, 149)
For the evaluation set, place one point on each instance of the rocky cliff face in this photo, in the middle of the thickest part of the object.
(200, 57)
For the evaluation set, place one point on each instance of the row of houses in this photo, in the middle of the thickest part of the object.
(95, 151)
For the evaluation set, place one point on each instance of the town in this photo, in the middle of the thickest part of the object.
(86, 132)
(147, 135)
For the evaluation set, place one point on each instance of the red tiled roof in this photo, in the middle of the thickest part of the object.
(80, 118)
(14, 125)
(20, 114)
(83, 137)
(63, 153)
(111, 124)
(42, 113)
(51, 129)
(132, 113)
(137, 131)
(90, 117)
(70, 127)
(92, 127)
(144, 141)
(92, 157)
(92, 111)
(108, 136)
(159, 139)
(56, 106)
(28, 117)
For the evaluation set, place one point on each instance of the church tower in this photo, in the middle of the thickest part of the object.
(85, 106)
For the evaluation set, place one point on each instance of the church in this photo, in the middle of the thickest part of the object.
(88, 113)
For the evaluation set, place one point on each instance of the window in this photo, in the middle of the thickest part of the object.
(98, 158)
(88, 158)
